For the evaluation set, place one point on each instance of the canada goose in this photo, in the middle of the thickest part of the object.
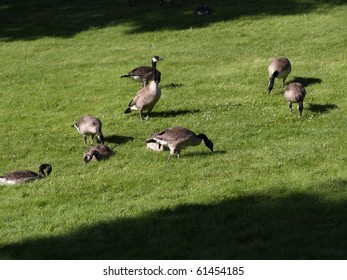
(89, 125)
(21, 176)
(143, 74)
(278, 68)
(177, 138)
(295, 93)
(154, 146)
(97, 153)
(146, 97)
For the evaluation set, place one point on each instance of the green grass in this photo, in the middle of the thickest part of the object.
(276, 185)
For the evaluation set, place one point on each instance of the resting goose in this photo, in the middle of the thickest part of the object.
(177, 138)
(147, 97)
(295, 93)
(278, 68)
(21, 176)
(98, 153)
(89, 125)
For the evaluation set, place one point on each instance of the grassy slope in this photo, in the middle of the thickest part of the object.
(275, 181)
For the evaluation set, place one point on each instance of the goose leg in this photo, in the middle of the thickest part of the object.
(140, 115)
(290, 106)
(85, 139)
(172, 152)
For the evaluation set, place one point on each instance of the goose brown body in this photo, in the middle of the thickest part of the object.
(295, 93)
(21, 176)
(89, 125)
(178, 138)
(278, 68)
(98, 153)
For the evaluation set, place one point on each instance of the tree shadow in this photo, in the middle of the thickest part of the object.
(281, 225)
(305, 81)
(30, 20)
(118, 139)
(321, 108)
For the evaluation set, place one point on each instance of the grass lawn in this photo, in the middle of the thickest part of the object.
(276, 185)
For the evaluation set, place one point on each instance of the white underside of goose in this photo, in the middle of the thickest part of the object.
(7, 182)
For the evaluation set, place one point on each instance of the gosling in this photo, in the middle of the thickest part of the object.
(295, 93)
(89, 125)
(98, 153)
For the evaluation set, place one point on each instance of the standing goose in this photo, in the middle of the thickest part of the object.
(89, 125)
(143, 74)
(147, 97)
(177, 138)
(295, 93)
(21, 176)
(98, 153)
(278, 68)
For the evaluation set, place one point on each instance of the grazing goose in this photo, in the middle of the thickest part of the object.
(98, 153)
(278, 68)
(21, 176)
(295, 93)
(89, 125)
(177, 138)
(154, 146)
(147, 97)
(143, 74)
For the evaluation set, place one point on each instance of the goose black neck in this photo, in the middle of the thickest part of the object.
(154, 70)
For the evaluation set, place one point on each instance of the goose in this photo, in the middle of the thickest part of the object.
(278, 68)
(146, 97)
(295, 93)
(89, 125)
(142, 74)
(21, 176)
(98, 153)
(177, 138)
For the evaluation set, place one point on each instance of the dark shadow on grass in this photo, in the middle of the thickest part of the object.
(306, 81)
(118, 139)
(202, 153)
(172, 113)
(321, 108)
(281, 225)
(30, 20)
(172, 85)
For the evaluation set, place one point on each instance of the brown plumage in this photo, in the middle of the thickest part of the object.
(177, 138)
(295, 93)
(89, 125)
(98, 153)
(278, 68)
(21, 176)
(143, 74)
(147, 97)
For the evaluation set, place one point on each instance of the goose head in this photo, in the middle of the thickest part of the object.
(157, 58)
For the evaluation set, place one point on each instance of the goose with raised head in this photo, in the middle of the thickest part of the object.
(295, 93)
(143, 74)
(89, 125)
(98, 153)
(279, 67)
(21, 176)
(147, 97)
(177, 138)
